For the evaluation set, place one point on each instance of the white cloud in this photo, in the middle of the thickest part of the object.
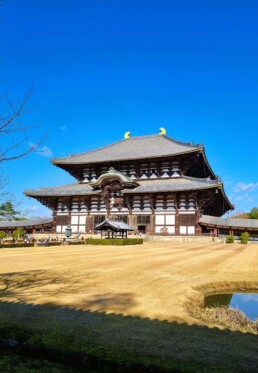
(33, 208)
(245, 198)
(242, 187)
(244, 195)
(44, 151)
(63, 128)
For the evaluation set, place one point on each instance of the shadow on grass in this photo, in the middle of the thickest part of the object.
(120, 302)
(114, 342)
(22, 285)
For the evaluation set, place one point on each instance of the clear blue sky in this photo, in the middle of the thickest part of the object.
(100, 68)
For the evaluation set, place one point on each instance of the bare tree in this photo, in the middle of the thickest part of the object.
(14, 138)
(4, 194)
(14, 135)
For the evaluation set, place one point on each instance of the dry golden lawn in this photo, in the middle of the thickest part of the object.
(153, 280)
(128, 303)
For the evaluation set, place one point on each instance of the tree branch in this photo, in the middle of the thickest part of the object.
(10, 124)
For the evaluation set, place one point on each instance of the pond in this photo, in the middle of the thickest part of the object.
(245, 302)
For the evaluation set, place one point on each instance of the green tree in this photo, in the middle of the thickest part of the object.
(244, 238)
(253, 214)
(18, 233)
(2, 235)
(8, 212)
(230, 239)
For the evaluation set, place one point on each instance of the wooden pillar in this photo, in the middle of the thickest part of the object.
(86, 201)
(53, 229)
(152, 216)
(152, 223)
(132, 222)
(51, 202)
(129, 204)
(69, 211)
(89, 223)
(198, 229)
(177, 231)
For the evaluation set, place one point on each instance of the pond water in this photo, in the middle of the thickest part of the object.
(245, 302)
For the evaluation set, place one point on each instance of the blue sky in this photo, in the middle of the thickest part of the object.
(100, 68)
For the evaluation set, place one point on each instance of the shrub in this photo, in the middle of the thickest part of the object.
(230, 238)
(14, 245)
(244, 238)
(24, 245)
(2, 235)
(58, 243)
(18, 233)
(114, 241)
(77, 243)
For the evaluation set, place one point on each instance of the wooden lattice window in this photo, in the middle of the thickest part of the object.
(123, 218)
(186, 220)
(98, 219)
(62, 220)
(143, 219)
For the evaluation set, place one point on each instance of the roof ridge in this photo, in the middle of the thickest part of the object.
(56, 186)
(188, 144)
(89, 151)
(203, 179)
(24, 223)
(230, 220)
(191, 144)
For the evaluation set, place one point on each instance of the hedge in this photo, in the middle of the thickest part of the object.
(13, 245)
(245, 237)
(114, 241)
(230, 239)
(58, 243)
(55, 243)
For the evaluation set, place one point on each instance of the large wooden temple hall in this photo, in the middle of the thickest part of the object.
(153, 183)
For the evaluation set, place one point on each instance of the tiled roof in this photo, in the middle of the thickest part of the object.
(74, 189)
(229, 222)
(177, 184)
(159, 185)
(138, 147)
(114, 224)
(25, 223)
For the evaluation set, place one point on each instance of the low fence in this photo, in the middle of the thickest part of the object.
(197, 239)
(150, 238)
(146, 237)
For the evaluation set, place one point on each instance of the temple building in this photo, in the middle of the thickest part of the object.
(153, 183)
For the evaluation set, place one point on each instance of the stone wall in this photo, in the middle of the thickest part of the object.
(197, 239)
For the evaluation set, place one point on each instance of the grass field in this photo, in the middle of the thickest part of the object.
(129, 303)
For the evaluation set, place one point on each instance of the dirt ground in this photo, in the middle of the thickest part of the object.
(154, 280)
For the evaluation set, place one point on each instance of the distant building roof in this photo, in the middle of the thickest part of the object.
(25, 223)
(116, 225)
(138, 147)
(229, 222)
(151, 185)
